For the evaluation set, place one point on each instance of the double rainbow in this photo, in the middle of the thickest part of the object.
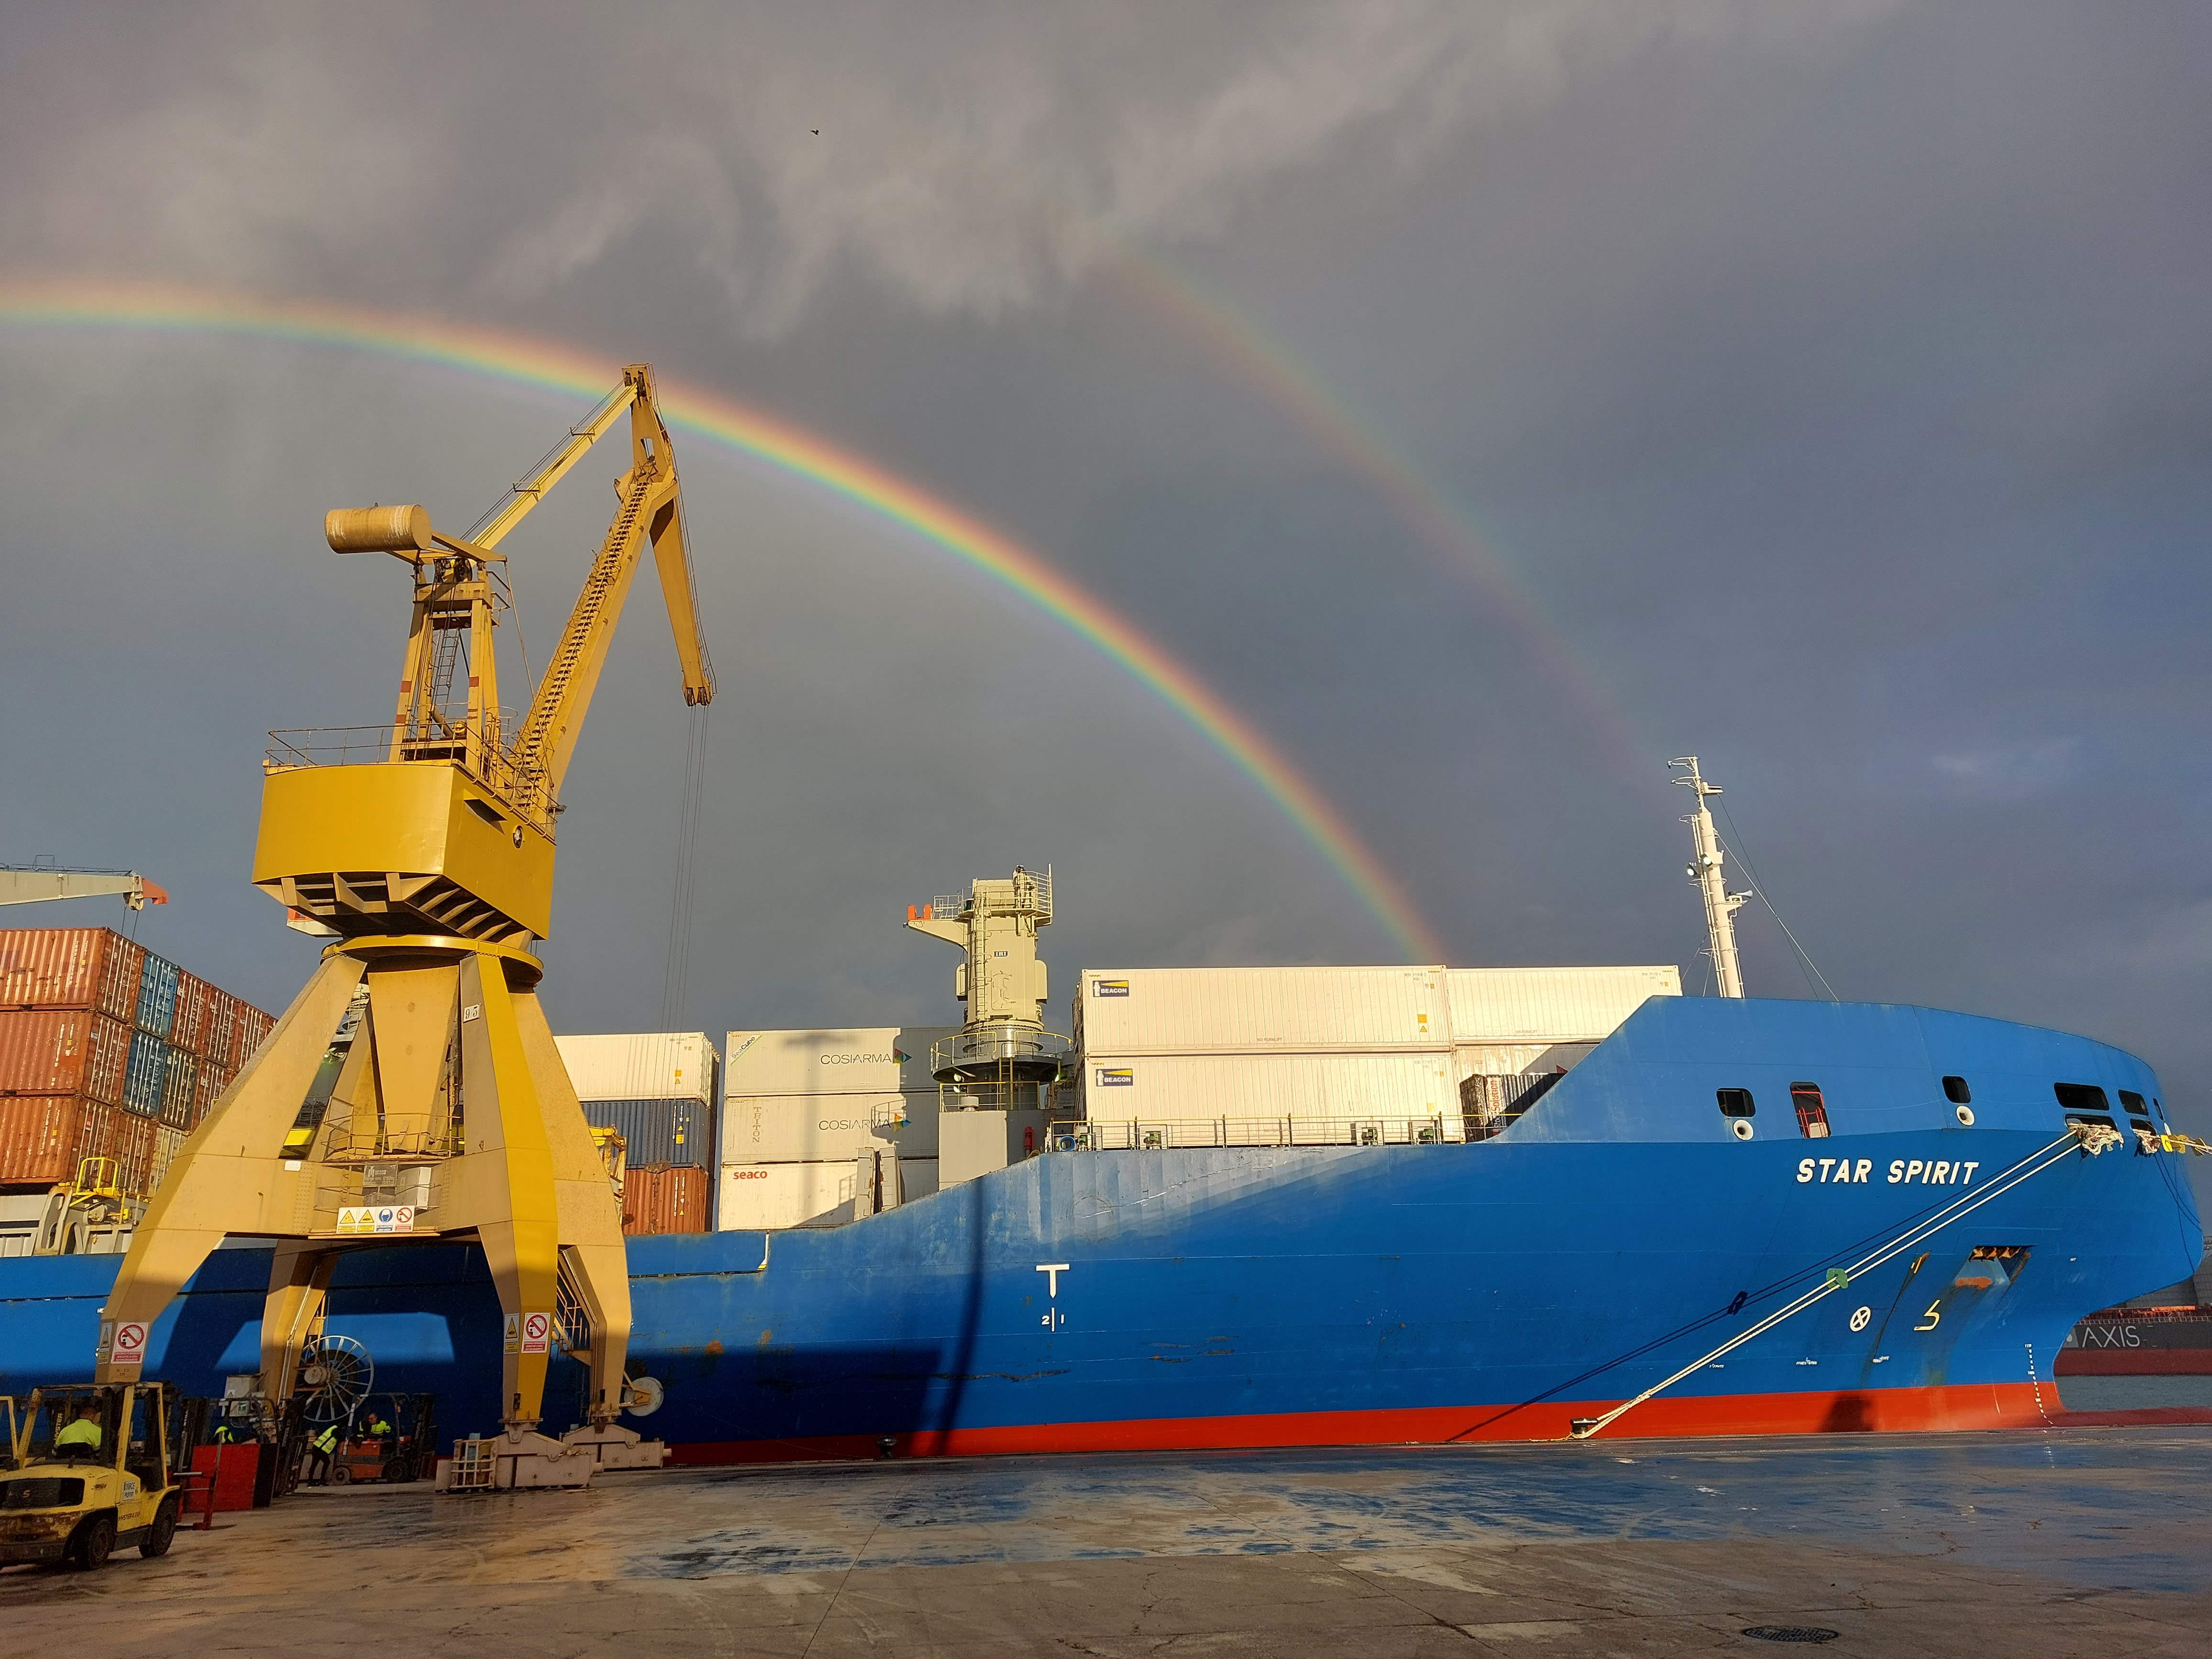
(523, 360)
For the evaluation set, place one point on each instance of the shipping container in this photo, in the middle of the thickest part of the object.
(865, 1059)
(816, 1128)
(772, 1196)
(221, 1028)
(167, 1144)
(642, 1066)
(132, 1149)
(1258, 1091)
(157, 996)
(1551, 1004)
(1212, 1011)
(188, 1029)
(180, 1088)
(146, 1073)
(70, 967)
(674, 1132)
(665, 1199)
(254, 1027)
(61, 1051)
(214, 1080)
(38, 1136)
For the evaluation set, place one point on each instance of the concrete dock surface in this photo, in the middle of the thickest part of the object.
(2067, 1541)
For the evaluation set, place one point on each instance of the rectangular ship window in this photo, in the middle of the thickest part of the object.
(2082, 1097)
(1956, 1092)
(2135, 1102)
(1735, 1102)
(1811, 1110)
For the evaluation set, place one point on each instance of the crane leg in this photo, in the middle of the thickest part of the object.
(299, 1282)
(224, 1179)
(594, 1257)
(510, 1194)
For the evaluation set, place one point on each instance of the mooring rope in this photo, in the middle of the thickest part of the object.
(2090, 1139)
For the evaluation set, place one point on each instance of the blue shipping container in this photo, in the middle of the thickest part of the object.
(180, 1081)
(679, 1132)
(145, 1074)
(157, 995)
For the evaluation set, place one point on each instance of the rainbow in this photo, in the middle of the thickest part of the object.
(522, 360)
(1297, 390)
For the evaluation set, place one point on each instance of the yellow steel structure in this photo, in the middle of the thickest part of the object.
(412, 1090)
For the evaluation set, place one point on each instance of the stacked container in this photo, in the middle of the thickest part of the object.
(657, 1090)
(1260, 1056)
(806, 1112)
(106, 1051)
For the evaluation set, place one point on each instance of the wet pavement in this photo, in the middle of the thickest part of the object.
(2056, 1542)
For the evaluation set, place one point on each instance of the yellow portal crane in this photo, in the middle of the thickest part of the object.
(413, 1090)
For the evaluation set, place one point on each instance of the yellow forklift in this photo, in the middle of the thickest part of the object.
(90, 1467)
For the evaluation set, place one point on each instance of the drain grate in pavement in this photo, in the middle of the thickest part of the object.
(1791, 1633)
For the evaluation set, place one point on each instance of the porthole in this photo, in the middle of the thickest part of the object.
(1965, 1117)
(1741, 1127)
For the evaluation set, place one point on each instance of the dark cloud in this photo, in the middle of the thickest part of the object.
(1833, 379)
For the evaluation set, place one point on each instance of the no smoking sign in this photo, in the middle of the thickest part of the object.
(535, 1328)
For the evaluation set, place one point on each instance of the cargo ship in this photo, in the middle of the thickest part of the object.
(1723, 1215)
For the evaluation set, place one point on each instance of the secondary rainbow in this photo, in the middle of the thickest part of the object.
(523, 360)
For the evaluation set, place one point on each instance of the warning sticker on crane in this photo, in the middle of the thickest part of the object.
(535, 1328)
(129, 1347)
(376, 1218)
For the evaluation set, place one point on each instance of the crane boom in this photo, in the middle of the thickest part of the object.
(21, 885)
(652, 508)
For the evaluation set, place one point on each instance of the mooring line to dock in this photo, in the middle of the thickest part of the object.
(2090, 1139)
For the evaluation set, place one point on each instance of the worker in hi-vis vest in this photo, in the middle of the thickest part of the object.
(319, 1451)
(83, 1431)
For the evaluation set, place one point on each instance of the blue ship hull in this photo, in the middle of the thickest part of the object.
(1496, 1289)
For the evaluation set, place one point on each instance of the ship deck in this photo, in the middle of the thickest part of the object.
(2057, 1542)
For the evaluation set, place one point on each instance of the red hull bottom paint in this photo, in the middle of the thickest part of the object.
(2133, 1362)
(1978, 1406)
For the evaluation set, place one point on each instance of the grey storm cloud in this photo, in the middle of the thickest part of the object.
(968, 158)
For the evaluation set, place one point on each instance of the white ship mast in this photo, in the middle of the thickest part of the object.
(1721, 905)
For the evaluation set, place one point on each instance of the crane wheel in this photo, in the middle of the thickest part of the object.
(162, 1533)
(92, 1542)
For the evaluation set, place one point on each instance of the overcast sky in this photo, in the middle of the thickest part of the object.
(1822, 390)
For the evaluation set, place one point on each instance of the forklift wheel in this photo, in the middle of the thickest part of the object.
(89, 1545)
(397, 1470)
(162, 1533)
(339, 1474)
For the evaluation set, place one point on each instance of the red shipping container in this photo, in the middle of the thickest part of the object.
(61, 1051)
(188, 1029)
(253, 1026)
(70, 968)
(663, 1198)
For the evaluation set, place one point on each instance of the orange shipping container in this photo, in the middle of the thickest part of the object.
(38, 1136)
(70, 968)
(214, 1080)
(662, 1198)
(253, 1026)
(61, 1051)
(221, 1028)
(188, 1029)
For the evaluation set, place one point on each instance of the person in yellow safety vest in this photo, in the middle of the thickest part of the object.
(319, 1451)
(83, 1430)
(377, 1428)
(223, 1434)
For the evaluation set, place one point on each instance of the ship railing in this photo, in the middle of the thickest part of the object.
(1136, 1134)
(1029, 1049)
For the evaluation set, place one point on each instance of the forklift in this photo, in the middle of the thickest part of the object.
(407, 1454)
(89, 1467)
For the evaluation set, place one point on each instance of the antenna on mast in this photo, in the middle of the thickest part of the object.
(1711, 881)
